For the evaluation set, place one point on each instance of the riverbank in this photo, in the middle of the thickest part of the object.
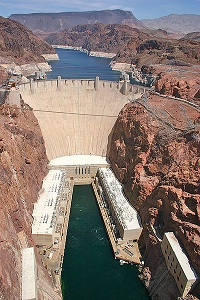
(26, 69)
(102, 54)
(116, 66)
(50, 57)
(90, 53)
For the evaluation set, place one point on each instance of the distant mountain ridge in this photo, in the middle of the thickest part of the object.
(43, 24)
(56, 22)
(185, 23)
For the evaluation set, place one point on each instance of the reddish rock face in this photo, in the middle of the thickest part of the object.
(23, 165)
(154, 153)
(132, 45)
(18, 44)
(181, 82)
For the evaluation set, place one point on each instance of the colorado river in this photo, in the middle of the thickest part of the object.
(89, 269)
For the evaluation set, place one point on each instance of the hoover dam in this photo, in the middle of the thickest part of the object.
(77, 116)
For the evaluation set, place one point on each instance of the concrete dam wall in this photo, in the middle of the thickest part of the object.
(77, 116)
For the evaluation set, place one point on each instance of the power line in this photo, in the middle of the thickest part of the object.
(75, 113)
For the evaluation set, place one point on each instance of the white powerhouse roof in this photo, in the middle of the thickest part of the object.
(125, 213)
(45, 209)
(181, 256)
(73, 160)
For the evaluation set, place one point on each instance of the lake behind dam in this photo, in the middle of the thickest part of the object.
(76, 64)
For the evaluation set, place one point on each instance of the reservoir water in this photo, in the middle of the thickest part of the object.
(76, 64)
(90, 271)
(89, 268)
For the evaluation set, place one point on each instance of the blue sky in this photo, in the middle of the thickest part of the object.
(141, 8)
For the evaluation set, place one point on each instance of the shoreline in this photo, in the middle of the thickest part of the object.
(89, 53)
(115, 66)
(51, 57)
(30, 68)
(27, 69)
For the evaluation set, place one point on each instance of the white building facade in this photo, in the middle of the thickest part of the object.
(29, 274)
(80, 168)
(126, 217)
(50, 209)
(178, 263)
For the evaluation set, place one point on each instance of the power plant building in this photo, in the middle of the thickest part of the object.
(126, 217)
(178, 263)
(49, 210)
(80, 168)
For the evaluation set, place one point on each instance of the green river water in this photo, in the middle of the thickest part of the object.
(90, 271)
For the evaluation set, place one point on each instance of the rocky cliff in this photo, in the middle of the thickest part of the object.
(42, 23)
(194, 36)
(23, 165)
(155, 154)
(131, 45)
(181, 82)
(20, 45)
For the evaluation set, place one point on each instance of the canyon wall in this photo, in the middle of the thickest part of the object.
(175, 23)
(23, 165)
(18, 44)
(131, 45)
(181, 82)
(155, 154)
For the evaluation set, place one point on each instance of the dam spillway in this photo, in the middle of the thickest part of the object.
(77, 116)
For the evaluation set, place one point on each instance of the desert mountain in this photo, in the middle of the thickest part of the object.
(41, 23)
(175, 23)
(141, 47)
(193, 36)
(18, 44)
